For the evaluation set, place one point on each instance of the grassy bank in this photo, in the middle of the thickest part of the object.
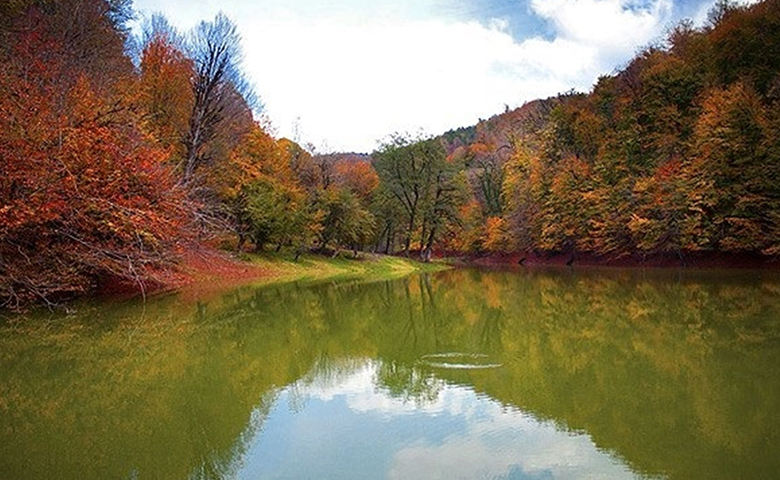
(209, 271)
(204, 271)
(282, 267)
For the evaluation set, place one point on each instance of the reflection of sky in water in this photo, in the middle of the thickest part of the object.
(353, 429)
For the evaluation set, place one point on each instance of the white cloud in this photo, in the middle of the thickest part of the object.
(358, 386)
(605, 23)
(495, 440)
(494, 447)
(353, 76)
(611, 29)
(357, 83)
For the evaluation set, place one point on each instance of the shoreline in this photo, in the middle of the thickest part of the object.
(691, 260)
(206, 270)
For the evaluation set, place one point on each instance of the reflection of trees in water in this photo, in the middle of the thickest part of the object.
(675, 372)
(408, 383)
(490, 330)
(670, 370)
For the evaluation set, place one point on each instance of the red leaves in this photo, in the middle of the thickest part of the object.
(83, 194)
(669, 170)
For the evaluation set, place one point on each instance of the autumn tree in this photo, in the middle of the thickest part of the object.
(525, 190)
(358, 176)
(660, 223)
(261, 194)
(743, 39)
(165, 92)
(84, 196)
(221, 93)
(468, 235)
(302, 164)
(732, 190)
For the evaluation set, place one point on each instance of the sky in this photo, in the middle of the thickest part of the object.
(342, 75)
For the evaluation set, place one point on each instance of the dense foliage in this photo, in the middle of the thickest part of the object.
(112, 163)
(677, 153)
(84, 193)
(420, 189)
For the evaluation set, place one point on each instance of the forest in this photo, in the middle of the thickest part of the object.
(119, 151)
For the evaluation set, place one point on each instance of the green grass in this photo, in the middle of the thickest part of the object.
(282, 267)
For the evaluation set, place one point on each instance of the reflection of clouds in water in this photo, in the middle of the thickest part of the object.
(497, 442)
(362, 394)
(510, 446)
(350, 381)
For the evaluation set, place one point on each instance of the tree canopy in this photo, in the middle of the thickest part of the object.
(111, 164)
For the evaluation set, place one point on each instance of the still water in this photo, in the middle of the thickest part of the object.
(464, 374)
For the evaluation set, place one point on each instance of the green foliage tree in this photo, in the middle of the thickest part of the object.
(417, 177)
(346, 222)
(448, 191)
(486, 169)
(270, 212)
(388, 214)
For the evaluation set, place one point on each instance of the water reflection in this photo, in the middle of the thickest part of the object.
(613, 373)
(452, 434)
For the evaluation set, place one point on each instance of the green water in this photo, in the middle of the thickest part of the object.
(522, 374)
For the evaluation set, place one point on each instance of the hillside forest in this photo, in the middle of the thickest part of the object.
(119, 151)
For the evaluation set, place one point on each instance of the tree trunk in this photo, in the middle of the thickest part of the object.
(425, 254)
(409, 232)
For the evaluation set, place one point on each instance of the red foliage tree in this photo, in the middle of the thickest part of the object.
(83, 195)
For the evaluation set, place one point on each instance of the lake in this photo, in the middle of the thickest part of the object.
(463, 374)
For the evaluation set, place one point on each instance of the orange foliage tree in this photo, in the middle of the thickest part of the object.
(165, 94)
(358, 176)
(83, 195)
(266, 201)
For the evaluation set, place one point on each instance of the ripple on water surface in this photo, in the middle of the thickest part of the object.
(458, 361)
